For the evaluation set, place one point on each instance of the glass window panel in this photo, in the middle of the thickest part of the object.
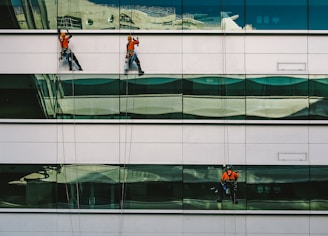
(213, 97)
(88, 96)
(200, 185)
(277, 188)
(201, 188)
(277, 108)
(149, 84)
(143, 14)
(155, 97)
(214, 85)
(318, 108)
(24, 186)
(318, 86)
(318, 192)
(318, 14)
(209, 14)
(213, 107)
(277, 86)
(88, 186)
(152, 187)
(20, 97)
(277, 14)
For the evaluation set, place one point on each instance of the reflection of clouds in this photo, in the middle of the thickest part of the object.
(277, 204)
(274, 175)
(105, 174)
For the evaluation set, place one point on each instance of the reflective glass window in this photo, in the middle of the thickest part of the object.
(23, 187)
(202, 188)
(318, 108)
(151, 187)
(208, 14)
(152, 97)
(164, 15)
(277, 14)
(212, 85)
(277, 97)
(88, 96)
(21, 97)
(277, 86)
(277, 108)
(148, 15)
(213, 97)
(86, 186)
(318, 86)
(318, 14)
(277, 188)
(318, 96)
(318, 194)
(189, 187)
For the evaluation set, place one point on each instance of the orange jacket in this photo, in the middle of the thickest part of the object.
(233, 176)
(64, 40)
(130, 46)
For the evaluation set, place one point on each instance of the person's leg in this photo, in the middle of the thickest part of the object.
(69, 59)
(139, 66)
(220, 193)
(76, 61)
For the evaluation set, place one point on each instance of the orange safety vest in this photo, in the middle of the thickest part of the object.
(64, 40)
(232, 177)
(130, 47)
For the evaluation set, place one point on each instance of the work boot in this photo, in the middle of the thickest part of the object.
(140, 71)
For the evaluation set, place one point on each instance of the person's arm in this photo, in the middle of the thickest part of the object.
(136, 41)
(236, 175)
(223, 177)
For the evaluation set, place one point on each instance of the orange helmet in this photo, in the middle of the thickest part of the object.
(129, 38)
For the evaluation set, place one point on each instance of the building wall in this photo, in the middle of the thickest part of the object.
(110, 143)
(101, 224)
(285, 53)
(295, 143)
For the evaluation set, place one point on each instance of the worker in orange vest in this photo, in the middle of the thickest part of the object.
(66, 52)
(228, 183)
(131, 54)
(63, 41)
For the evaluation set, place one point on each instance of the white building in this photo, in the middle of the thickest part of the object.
(98, 152)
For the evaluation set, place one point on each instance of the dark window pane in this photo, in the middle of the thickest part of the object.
(277, 188)
(318, 190)
(152, 187)
(277, 14)
(318, 14)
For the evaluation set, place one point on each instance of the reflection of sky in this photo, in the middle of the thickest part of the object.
(16, 2)
(206, 10)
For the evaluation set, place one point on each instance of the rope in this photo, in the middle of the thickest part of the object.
(128, 139)
(69, 192)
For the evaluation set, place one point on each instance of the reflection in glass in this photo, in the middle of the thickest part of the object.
(188, 187)
(277, 14)
(152, 187)
(277, 97)
(165, 14)
(201, 188)
(318, 14)
(152, 97)
(277, 187)
(318, 192)
(88, 96)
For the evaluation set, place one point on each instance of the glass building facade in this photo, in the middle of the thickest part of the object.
(239, 97)
(165, 15)
(159, 187)
(182, 96)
